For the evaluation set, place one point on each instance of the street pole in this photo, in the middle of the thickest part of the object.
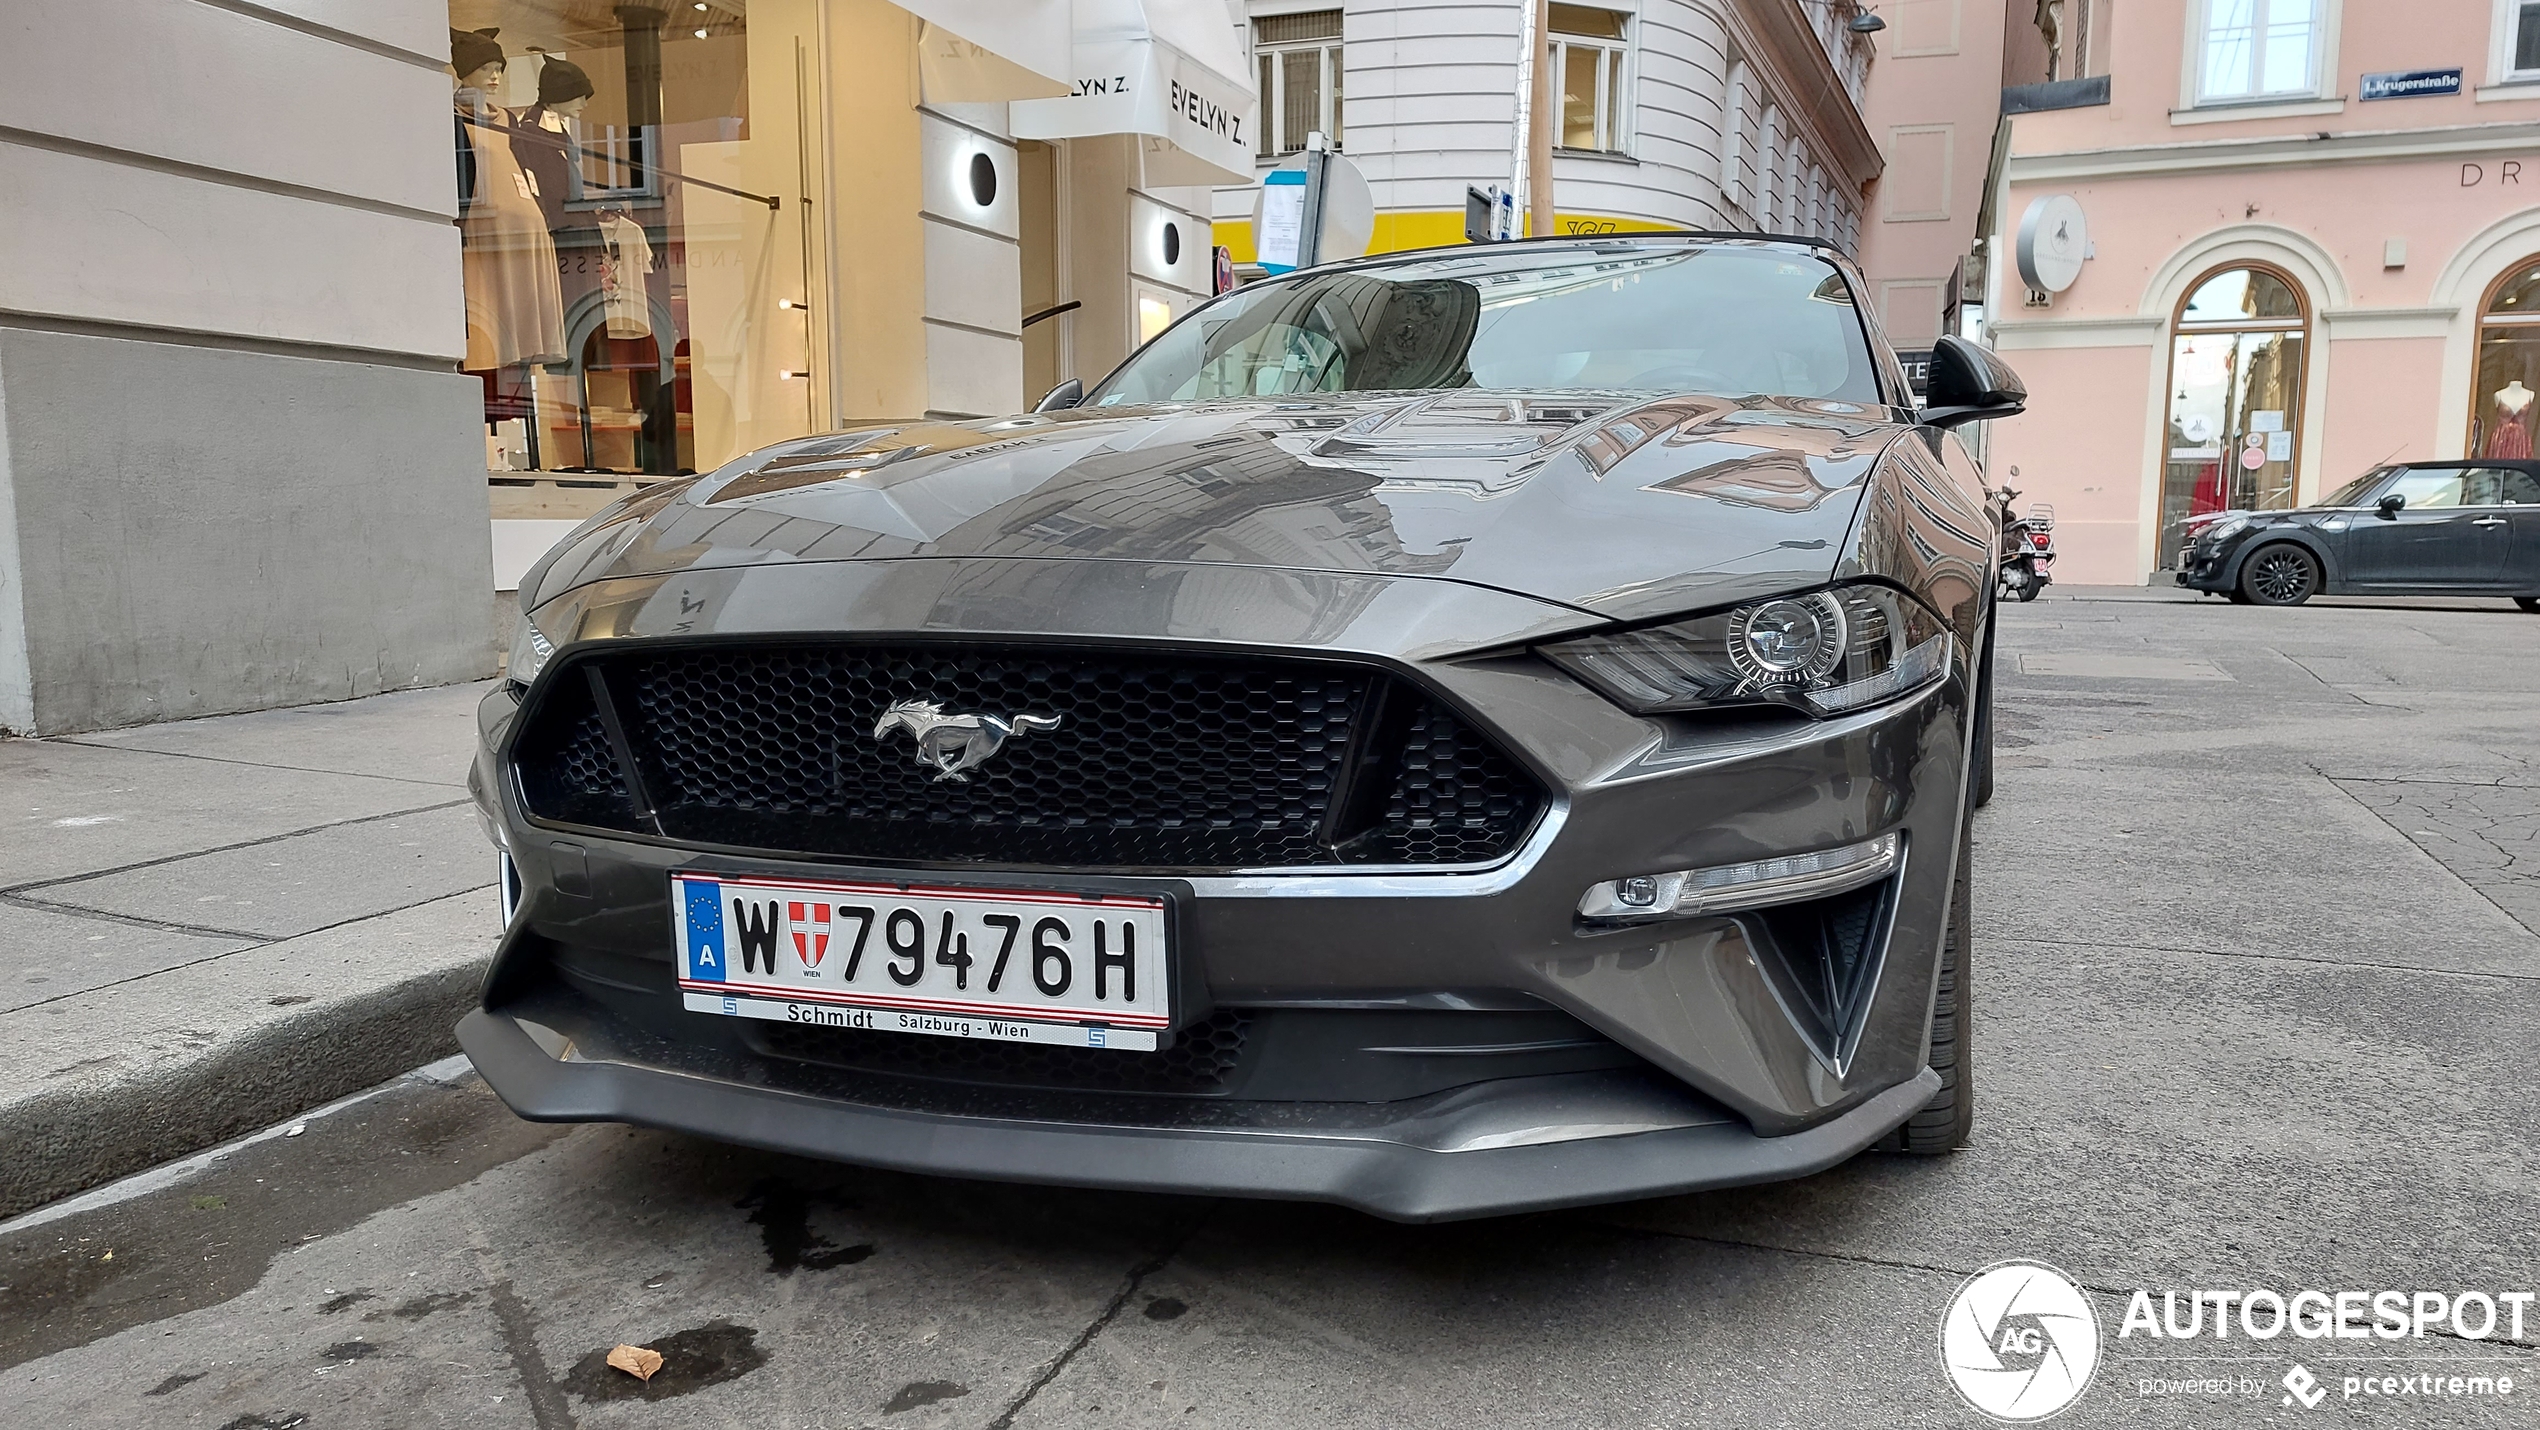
(1545, 122)
(1309, 236)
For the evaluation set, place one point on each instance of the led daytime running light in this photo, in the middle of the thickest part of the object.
(1757, 884)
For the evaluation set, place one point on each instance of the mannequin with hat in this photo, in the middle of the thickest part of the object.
(515, 310)
(547, 135)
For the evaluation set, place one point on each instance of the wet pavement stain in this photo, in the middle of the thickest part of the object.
(349, 1350)
(422, 1306)
(782, 1213)
(345, 1302)
(1165, 1308)
(924, 1392)
(291, 1421)
(175, 1383)
(691, 1360)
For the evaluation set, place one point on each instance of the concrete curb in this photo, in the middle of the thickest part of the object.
(181, 1061)
(65, 1140)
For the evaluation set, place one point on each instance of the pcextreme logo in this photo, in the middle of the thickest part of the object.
(2019, 1341)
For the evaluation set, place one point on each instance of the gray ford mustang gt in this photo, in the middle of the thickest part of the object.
(1452, 733)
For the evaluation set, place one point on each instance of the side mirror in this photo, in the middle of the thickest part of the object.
(2388, 507)
(1969, 384)
(1058, 399)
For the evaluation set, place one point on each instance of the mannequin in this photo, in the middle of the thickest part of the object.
(515, 312)
(2511, 439)
(546, 137)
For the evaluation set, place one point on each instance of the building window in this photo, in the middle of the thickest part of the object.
(1737, 143)
(2258, 49)
(2235, 400)
(2501, 422)
(2521, 40)
(1587, 58)
(1299, 59)
(632, 306)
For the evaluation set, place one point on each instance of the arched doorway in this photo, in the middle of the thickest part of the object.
(2233, 438)
(2501, 421)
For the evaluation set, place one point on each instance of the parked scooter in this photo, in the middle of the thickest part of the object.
(2028, 546)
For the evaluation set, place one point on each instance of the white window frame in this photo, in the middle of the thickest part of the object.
(1614, 79)
(1735, 146)
(1275, 145)
(2500, 64)
(1768, 177)
(2323, 57)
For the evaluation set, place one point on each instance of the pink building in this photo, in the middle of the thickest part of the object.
(2309, 242)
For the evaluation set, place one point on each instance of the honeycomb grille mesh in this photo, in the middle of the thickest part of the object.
(1163, 762)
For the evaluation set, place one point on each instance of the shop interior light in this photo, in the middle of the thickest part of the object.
(789, 303)
(1758, 884)
(701, 34)
(790, 375)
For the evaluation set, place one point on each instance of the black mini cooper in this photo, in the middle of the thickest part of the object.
(2411, 529)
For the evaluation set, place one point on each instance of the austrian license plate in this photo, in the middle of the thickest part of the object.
(1009, 965)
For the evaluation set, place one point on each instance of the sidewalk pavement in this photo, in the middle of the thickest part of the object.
(211, 925)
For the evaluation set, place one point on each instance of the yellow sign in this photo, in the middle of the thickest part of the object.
(1400, 232)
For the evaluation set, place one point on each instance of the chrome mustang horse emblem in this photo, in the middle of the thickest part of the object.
(954, 745)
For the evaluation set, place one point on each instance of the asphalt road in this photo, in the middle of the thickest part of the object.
(2259, 992)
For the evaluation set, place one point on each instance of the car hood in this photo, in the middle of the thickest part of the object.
(1622, 504)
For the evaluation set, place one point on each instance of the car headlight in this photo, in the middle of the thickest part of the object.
(530, 649)
(1825, 652)
(2227, 528)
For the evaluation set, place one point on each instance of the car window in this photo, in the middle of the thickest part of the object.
(1726, 318)
(2354, 492)
(2426, 487)
(2510, 486)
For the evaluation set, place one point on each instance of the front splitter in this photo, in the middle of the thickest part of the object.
(1394, 1180)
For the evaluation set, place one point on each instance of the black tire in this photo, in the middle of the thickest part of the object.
(1943, 1124)
(2029, 589)
(2529, 603)
(1980, 779)
(2280, 574)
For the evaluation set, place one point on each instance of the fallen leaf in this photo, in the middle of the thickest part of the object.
(636, 1361)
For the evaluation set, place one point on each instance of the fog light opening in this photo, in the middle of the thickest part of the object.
(1756, 884)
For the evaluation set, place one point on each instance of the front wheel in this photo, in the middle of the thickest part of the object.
(1944, 1122)
(2280, 575)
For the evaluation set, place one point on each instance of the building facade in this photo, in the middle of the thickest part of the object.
(1709, 114)
(1933, 104)
(238, 461)
(2313, 245)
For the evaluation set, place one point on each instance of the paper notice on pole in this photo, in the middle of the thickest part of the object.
(2267, 421)
(1282, 219)
(2279, 446)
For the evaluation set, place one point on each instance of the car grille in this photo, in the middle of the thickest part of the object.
(1158, 761)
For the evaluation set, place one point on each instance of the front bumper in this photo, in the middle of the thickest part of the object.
(1446, 1159)
(1711, 1081)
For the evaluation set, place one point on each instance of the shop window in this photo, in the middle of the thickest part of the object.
(2235, 400)
(1299, 60)
(634, 304)
(2258, 49)
(1587, 58)
(2520, 22)
(2501, 421)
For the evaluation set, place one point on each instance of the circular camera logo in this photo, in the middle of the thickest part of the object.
(2019, 1341)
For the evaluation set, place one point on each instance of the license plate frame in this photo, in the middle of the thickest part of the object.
(885, 1008)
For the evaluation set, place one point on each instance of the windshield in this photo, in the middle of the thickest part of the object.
(1725, 319)
(2352, 494)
